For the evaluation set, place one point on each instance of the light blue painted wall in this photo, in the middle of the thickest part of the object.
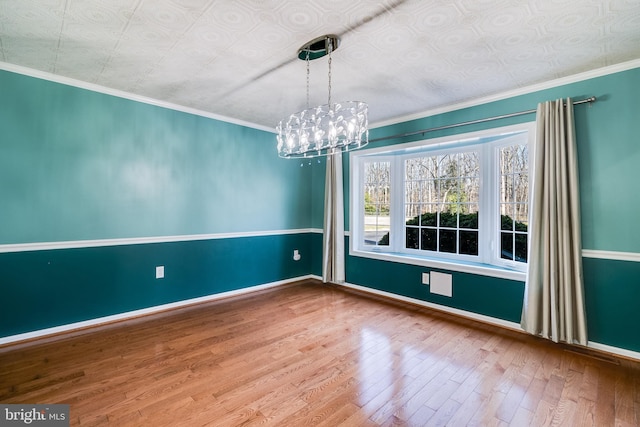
(78, 165)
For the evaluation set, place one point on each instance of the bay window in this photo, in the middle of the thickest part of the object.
(460, 200)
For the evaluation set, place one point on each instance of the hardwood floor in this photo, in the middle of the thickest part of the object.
(312, 354)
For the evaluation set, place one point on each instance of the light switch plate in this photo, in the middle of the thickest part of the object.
(160, 272)
(425, 278)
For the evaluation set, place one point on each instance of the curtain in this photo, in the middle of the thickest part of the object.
(554, 297)
(333, 232)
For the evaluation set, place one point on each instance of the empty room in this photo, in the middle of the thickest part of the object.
(412, 213)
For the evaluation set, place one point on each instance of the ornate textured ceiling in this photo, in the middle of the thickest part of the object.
(238, 58)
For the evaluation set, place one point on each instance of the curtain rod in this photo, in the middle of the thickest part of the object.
(472, 122)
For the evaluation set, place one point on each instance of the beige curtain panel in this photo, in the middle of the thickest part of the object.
(333, 230)
(554, 297)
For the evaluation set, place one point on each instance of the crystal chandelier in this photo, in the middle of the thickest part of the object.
(326, 129)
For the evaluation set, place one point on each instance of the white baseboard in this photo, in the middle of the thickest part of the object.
(151, 310)
(629, 354)
(462, 313)
(142, 312)
(482, 318)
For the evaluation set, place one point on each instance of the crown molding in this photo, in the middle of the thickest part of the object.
(599, 72)
(30, 72)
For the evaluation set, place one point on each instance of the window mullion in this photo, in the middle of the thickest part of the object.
(489, 203)
(356, 205)
(397, 204)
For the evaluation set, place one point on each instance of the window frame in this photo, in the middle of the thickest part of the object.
(496, 238)
(487, 143)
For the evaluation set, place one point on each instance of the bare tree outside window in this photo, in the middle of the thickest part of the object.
(423, 200)
(441, 203)
(514, 205)
(377, 202)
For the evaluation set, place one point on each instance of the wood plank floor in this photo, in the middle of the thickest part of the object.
(312, 354)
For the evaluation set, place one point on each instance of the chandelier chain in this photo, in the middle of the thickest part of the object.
(308, 53)
(329, 49)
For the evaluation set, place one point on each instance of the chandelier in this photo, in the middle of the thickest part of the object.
(326, 129)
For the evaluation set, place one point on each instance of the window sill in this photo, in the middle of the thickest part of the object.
(459, 266)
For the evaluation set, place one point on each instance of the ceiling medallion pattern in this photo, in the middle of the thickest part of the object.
(233, 58)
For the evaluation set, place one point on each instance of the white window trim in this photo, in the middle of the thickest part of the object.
(488, 265)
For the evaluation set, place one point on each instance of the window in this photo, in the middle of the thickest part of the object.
(514, 201)
(377, 203)
(442, 202)
(458, 200)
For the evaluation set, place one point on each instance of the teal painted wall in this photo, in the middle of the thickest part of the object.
(317, 193)
(79, 165)
(612, 298)
(43, 289)
(609, 155)
(607, 133)
(478, 294)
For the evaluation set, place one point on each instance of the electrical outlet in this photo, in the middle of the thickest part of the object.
(296, 255)
(160, 272)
